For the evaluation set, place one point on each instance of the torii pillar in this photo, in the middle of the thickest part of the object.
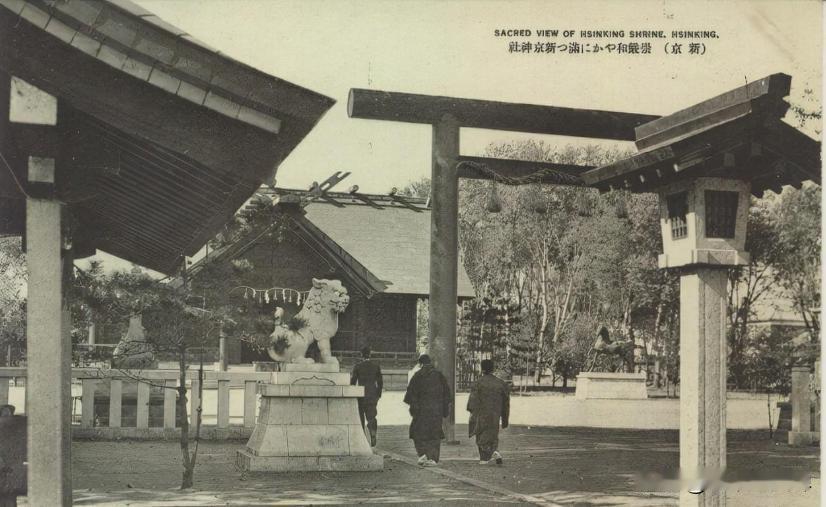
(444, 255)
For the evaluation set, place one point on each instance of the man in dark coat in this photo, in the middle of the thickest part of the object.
(367, 373)
(489, 402)
(429, 397)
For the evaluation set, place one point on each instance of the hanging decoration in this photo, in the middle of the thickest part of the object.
(493, 204)
(621, 205)
(583, 204)
(273, 295)
(539, 203)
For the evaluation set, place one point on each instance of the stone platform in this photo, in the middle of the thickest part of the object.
(308, 421)
(615, 386)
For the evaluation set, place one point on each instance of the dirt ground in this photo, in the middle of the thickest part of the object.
(544, 466)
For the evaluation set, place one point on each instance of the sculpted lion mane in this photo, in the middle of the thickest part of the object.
(317, 321)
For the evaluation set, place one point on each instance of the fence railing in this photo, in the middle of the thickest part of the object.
(152, 401)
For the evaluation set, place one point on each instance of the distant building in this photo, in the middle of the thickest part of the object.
(378, 246)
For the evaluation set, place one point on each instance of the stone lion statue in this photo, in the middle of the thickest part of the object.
(621, 350)
(317, 321)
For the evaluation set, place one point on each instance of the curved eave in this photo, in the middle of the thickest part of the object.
(162, 139)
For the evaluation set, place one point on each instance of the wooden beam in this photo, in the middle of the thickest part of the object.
(509, 170)
(487, 114)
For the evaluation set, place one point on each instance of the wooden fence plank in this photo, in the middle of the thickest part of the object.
(249, 403)
(4, 390)
(87, 403)
(115, 401)
(223, 403)
(143, 405)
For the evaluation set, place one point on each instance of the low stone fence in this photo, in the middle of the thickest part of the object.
(143, 404)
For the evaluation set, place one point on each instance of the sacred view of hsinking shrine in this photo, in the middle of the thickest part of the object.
(126, 135)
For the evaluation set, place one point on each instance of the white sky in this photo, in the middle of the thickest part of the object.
(448, 48)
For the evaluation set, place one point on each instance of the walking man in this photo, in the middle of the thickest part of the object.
(429, 397)
(489, 402)
(367, 373)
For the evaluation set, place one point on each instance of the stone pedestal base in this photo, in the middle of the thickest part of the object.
(803, 438)
(615, 386)
(245, 460)
(308, 421)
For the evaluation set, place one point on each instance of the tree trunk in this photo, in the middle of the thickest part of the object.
(188, 462)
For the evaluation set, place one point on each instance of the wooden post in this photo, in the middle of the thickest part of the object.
(48, 383)
(115, 400)
(223, 403)
(87, 402)
(4, 390)
(249, 403)
(444, 255)
(143, 405)
(222, 353)
(703, 383)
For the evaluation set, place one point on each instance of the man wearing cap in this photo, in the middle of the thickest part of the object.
(489, 401)
(367, 373)
(429, 397)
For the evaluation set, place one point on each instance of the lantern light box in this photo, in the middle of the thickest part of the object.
(703, 221)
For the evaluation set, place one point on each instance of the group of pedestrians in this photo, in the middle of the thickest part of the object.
(430, 398)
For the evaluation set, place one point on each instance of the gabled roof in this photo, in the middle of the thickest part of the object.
(392, 242)
(162, 138)
(381, 243)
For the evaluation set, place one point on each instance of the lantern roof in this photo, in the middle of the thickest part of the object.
(738, 134)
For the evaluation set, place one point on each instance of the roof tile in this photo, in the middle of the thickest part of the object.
(151, 43)
(222, 105)
(130, 7)
(35, 16)
(164, 81)
(393, 243)
(86, 44)
(136, 68)
(16, 6)
(192, 93)
(117, 26)
(111, 56)
(85, 12)
(60, 30)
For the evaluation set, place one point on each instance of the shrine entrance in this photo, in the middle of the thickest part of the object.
(733, 144)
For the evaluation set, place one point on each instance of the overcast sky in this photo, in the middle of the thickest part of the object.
(449, 48)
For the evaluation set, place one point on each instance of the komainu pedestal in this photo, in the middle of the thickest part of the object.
(308, 421)
(612, 386)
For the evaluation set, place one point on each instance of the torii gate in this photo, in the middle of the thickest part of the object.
(735, 139)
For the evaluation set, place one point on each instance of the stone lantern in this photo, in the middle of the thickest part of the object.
(705, 162)
(703, 221)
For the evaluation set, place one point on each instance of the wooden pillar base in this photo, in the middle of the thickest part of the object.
(48, 404)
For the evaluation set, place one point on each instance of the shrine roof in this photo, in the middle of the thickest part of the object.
(381, 241)
(738, 134)
(392, 242)
(162, 137)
